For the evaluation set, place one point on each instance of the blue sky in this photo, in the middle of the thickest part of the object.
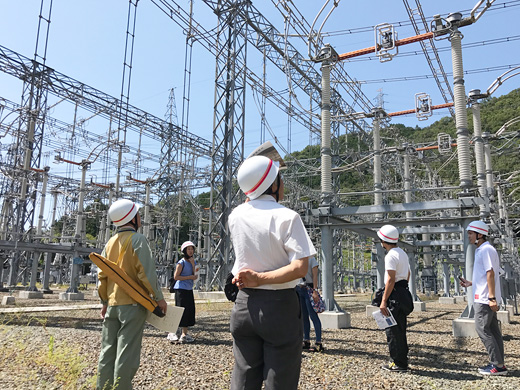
(86, 42)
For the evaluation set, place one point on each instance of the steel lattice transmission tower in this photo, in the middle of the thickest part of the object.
(19, 206)
(228, 129)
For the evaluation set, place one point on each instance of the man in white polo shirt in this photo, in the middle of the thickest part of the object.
(486, 287)
(396, 298)
(272, 248)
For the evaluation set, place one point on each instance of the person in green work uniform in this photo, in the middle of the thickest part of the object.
(124, 318)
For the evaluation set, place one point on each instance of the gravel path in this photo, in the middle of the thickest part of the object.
(59, 350)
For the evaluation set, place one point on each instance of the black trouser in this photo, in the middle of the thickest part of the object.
(401, 304)
(397, 343)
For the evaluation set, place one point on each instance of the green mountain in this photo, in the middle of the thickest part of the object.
(439, 169)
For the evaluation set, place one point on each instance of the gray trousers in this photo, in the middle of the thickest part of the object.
(267, 339)
(486, 324)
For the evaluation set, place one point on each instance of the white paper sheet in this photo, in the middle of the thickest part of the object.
(383, 321)
(268, 150)
(168, 323)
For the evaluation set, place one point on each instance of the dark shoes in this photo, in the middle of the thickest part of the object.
(394, 367)
(491, 369)
(318, 347)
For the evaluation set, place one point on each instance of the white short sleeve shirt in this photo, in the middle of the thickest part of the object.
(486, 258)
(267, 236)
(397, 260)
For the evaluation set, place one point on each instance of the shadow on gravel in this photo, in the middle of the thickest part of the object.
(362, 354)
(426, 319)
(208, 331)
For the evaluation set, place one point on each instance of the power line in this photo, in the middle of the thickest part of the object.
(443, 49)
(495, 7)
(425, 77)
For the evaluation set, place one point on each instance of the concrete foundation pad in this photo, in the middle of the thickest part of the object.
(334, 320)
(460, 299)
(464, 327)
(503, 316)
(72, 296)
(8, 300)
(511, 310)
(419, 306)
(370, 309)
(447, 300)
(30, 295)
(95, 293)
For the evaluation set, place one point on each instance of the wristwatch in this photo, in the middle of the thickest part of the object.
(492, 298)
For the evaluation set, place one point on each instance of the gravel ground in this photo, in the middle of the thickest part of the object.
(59, 350)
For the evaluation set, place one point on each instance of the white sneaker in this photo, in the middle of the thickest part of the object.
(186, 339)
(172, 337)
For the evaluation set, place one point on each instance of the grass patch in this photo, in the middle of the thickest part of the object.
(56, 366)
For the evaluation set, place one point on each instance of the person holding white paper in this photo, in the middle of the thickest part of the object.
(396, 298)
(123, 317)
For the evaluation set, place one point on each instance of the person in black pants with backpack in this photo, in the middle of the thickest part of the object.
(396, 298)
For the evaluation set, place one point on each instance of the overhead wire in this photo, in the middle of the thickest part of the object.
(495, 7)
(442, 49)
(267, 125)
(424, 77)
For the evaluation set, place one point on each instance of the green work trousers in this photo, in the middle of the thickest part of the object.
(121, 339)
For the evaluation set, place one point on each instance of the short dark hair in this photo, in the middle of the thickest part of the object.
(269, 190)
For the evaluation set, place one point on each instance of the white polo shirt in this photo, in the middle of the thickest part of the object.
(486, 258)
(267, 236)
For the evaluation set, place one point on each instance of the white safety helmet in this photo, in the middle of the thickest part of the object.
(388, 233)
(479, 227)
(256, 175)
(186, 244)
(122, 211)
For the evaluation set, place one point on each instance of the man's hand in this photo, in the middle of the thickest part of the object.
(162, 305)
(464, 283)
(493, 305)
(246, 278)
(384, 309)
(104, 311)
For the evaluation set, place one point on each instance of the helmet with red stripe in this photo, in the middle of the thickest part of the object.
(388, 233)
(479, 227)
(186, 244)
(122, 211)
(256, 175)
